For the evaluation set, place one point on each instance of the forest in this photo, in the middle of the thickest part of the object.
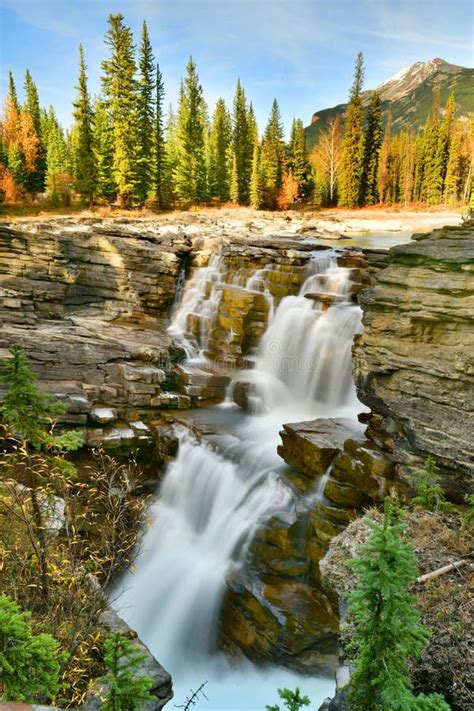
(125, 148)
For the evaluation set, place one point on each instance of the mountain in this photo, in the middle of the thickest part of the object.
(409, 94)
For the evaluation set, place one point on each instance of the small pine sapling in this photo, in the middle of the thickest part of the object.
(429, 492)
(29, 663)
(387, 630)
(127, 691)
(292, 700)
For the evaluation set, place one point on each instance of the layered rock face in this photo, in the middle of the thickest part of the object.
(414, 362)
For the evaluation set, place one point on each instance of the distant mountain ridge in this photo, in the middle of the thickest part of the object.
(410, 94)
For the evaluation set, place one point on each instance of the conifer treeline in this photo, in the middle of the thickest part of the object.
(124, 148)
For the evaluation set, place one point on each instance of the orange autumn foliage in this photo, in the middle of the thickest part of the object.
(18, 132)
(12, 192)
(289, 191)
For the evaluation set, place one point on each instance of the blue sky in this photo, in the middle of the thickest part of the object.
(301, 51)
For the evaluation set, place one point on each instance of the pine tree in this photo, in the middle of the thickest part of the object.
(12, 94)
(30, 662)
(102, 141)
(432, 167)
(353, 142)
(387, 630)
(220, 140)
(120, 91)
(384, 161)
(146, 118)
(127, 690)
(190, 171)
(171, 149)
(242, 146)
(252, 124)
(159, 150)
(373, 144)
(58, 178)
(84, 162)
(297, 158)
(234, 180)
(32, 106)
(272, 156)
(454, 168)
(256, 187)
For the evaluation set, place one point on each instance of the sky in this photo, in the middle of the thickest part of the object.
(300, 51)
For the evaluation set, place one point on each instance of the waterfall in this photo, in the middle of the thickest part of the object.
(211, 502)
(305, 354)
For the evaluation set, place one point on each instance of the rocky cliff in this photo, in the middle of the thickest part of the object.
(414, 362)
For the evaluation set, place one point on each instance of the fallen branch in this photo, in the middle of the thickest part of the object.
(441, 571)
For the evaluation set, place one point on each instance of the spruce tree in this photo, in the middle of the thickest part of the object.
(146, 118)
(272, 156)
(12, 93)
(121, 93)
(57, 161)
(353, 142)
(454, 168)
(253, 128)
(84, 162)
(297, 162)
(384, 161)
(32, 106)
(103, 146)
(162, 194)
(373, 145)
(190, 170)
(242, 146)
(220, 140)
(387, 631)
(234, 180)
(256, 179)
(127, 690)
(432, 168)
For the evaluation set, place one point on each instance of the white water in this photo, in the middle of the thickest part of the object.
(211, 504)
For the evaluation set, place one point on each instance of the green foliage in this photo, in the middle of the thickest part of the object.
(29, 663)
(353, 142)
(29, 413)
(32, 106)
(297, 162)
(103, 149)
(272, 155)
(467, 517)
(429, 492)
(387, 627)
(292, 700)
(127, 691)
(256, 181)
(84, 163)
(161, 178)
(146, 117)
(120, 90)
(243, 132)
(219, 163)
(190, 170)
(373, 144)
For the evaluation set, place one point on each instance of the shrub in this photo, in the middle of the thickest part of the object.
(428, 490)
(127, 691)
(293, 701)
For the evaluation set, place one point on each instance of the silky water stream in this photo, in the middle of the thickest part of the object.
(211, 502)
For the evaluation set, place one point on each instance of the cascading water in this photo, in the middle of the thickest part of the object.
(211, 503)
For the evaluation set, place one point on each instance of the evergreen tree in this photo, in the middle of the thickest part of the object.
(32, 106)
(373, 144)
(102, 141)
(120, 91)
(29, 662)
(387, 628)
(84, 163)
(12, 94)
(242, 145)
(146, 164)
(57, 162)
(384, 160)
(234, 180)
(297, 158)
(171, 150)
(432, 168)
(353, 142)
(190, 172)
(127, 690)
(454, 168)
(220, 140)
(159, 151)
(272, 156)
(253, 128)
(256, 187)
